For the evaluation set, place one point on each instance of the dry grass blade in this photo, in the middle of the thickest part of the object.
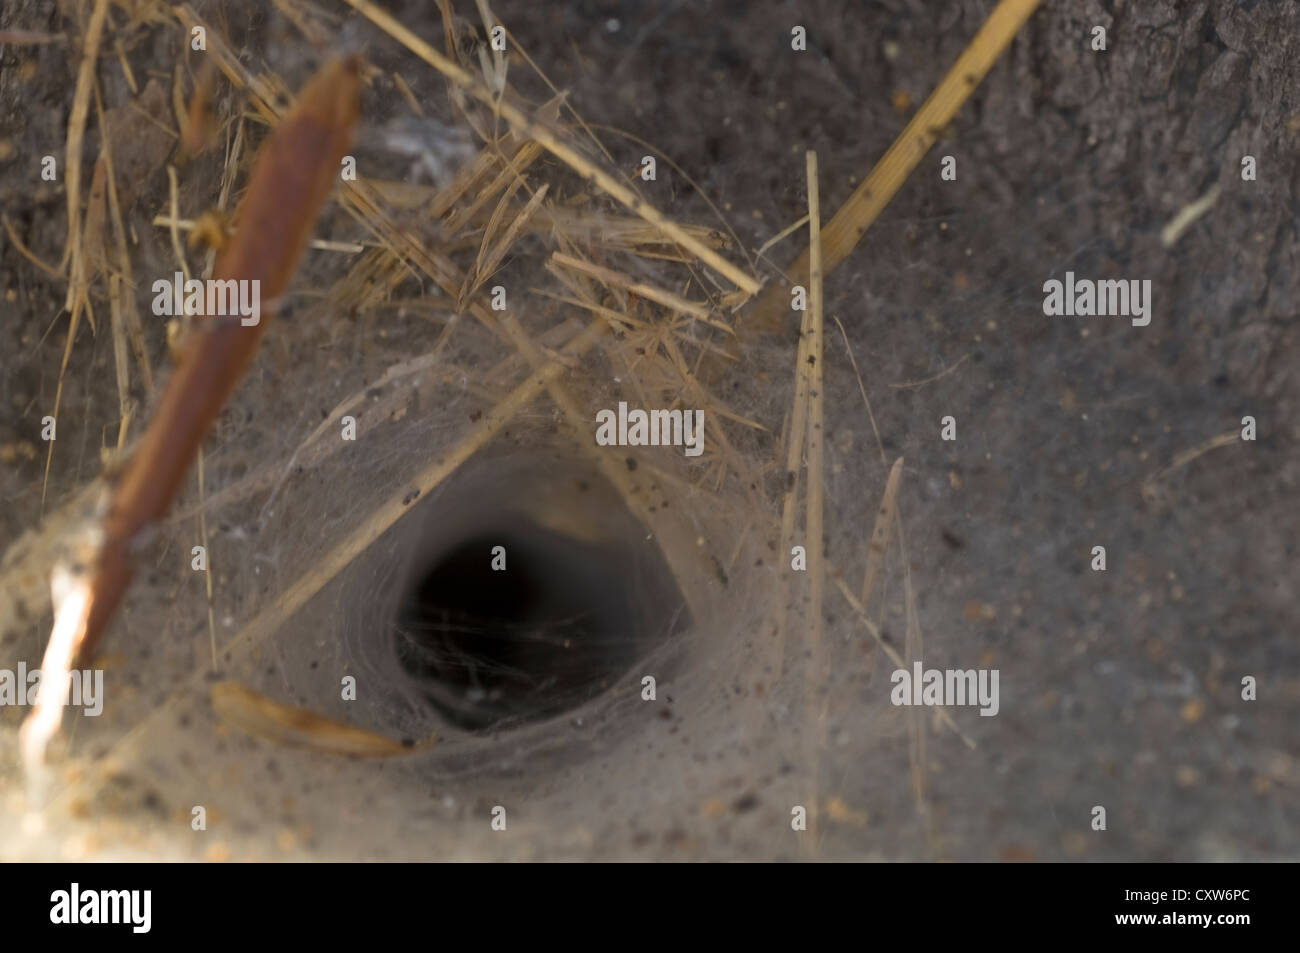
(76, 133)
(488, 260)
(58, 391)
(365, 205)
(122, 280)
(533, 129)
(317, 244)
(816, 407)
(264, 717)
(507, 177)
(914, 649)
(89, 253)
(486, 162)
(891, 653)
(717, 239)
(621, 234)
(614, 279)
(793, 464)
(880, 532)
(27, 252)
(1151, 485)
(815, 673)
(1186, 216)
(906, 385)
(846, 228)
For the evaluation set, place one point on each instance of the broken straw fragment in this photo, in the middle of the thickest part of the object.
(263, 717)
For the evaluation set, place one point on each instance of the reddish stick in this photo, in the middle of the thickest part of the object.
(291, 178)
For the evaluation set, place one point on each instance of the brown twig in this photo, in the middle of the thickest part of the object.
(290, 180)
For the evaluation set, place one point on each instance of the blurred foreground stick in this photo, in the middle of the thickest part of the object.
(290, 180)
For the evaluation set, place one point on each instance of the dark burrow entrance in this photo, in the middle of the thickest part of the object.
(561, 622)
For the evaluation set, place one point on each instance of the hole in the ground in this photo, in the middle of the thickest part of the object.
(564, 620)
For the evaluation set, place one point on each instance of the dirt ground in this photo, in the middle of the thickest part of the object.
(1120, 689)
